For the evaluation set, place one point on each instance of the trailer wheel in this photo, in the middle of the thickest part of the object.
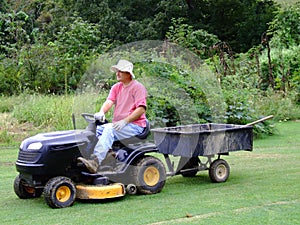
(149, 175)
(60, 192)
(24, 191)
(219, 171)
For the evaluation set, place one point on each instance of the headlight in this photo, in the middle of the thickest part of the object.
(35, 146)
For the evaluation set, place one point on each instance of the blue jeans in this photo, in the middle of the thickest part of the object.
(107, 135)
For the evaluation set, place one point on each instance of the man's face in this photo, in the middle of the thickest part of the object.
(123, 76)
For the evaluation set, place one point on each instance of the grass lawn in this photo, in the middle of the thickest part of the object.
(263, 188)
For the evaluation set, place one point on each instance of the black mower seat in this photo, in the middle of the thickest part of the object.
(136, 138)
(145, 132)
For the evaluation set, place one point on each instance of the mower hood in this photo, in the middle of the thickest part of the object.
(59, 140)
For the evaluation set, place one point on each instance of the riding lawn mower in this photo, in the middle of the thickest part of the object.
(47, 164)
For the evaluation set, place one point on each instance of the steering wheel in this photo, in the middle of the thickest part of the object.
(88, 117)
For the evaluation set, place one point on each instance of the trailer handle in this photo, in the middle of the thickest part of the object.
(258, 121)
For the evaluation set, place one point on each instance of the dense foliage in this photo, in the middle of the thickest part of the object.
(250, 46)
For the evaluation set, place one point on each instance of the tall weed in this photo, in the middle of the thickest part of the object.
(55, 111)
(282, 107)
(45, 111)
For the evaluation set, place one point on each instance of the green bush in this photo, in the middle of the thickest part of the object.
(10, 83)
(174, 96)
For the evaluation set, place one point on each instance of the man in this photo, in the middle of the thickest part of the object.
(128, 97)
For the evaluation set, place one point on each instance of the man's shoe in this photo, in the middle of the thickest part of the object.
(92, 165)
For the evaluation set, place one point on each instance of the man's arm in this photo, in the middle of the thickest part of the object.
(106, 106)
(135, 114)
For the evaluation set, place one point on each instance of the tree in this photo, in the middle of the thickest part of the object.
(16, 30)
(57, 67)
(285, 27)
(237, 22)
(284, 45)
(198, 41)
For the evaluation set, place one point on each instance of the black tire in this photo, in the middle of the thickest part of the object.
(219, 171)
(149, 175)
(25, 191)
(191, 164)
(60, 192)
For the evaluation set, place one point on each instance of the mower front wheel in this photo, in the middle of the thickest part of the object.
(60, 192)
(24, 191)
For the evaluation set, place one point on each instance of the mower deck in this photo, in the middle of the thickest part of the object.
(100, 191)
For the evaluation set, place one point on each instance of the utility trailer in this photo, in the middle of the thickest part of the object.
(198, 145)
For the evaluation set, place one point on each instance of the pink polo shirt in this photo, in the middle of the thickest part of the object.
(126, 99)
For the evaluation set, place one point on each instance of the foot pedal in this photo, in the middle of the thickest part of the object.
(101, 181)
(94, 175)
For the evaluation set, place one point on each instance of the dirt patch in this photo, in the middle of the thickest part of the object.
(264, 156)
(7, 163)
(253, 155)
(186, 219)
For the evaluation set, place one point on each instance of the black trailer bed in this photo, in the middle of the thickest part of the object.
(203, 139)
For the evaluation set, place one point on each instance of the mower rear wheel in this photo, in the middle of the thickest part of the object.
(219, 171)
(149, 175)
(60, 192)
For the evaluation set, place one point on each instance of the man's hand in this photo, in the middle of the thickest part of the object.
(120, 125)
(99, 116)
